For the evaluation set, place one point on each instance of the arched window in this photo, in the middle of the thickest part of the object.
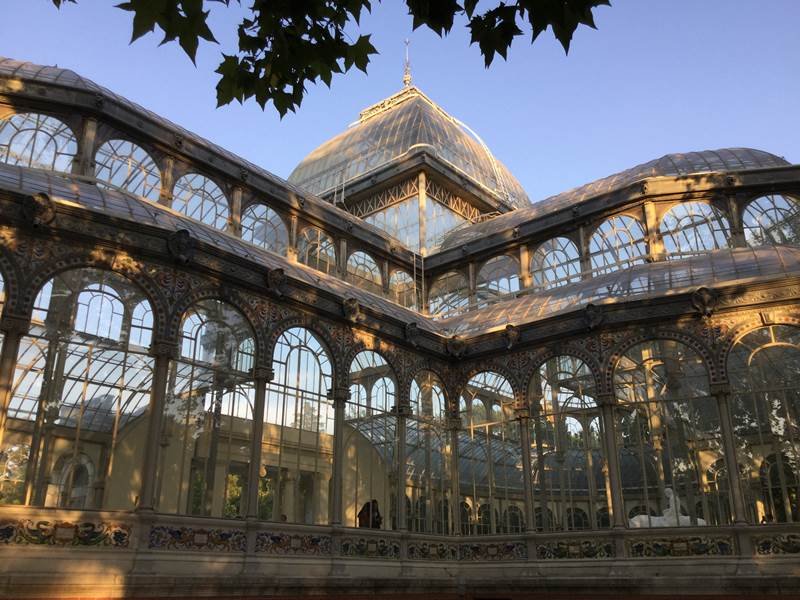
(618, 243)
(402, 289)
(80, 386)
(363, 272)
(141, 324)
(772, 219)
(694, 227)
(125, 165)
(39, 141)
(263, 227)
(316, 249)
(513, 522)
(497, 277)
(298, 432)
(100, 312)
(429, 450)
(370, 440)
(208, 415)
(764, 374)
(449, 295)
(556, 262)
(667, 419)
(566, 455)
(198, 197)
(489, 458)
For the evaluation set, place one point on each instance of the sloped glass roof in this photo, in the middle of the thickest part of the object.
(49, 75)
(70, 190)
(405, 122)
(670, 165)
(658, 279)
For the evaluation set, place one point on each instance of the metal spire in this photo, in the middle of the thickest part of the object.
(407, 68)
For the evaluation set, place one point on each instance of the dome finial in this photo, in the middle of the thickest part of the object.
(407, 68)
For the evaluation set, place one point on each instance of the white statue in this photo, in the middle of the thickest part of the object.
(672, 516)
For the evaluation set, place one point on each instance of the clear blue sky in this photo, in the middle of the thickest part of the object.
(657, 76)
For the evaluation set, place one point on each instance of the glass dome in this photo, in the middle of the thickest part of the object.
(406, 122)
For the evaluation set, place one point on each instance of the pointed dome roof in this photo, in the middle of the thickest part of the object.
(404, 122)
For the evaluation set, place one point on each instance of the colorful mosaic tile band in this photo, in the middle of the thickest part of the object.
(64, 533)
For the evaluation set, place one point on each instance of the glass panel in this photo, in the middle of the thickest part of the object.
(489, 455)
(370, 444)
(263, 227)
(201, 199)
(76, 426)
(668, 433)
(297, 447)
(439, 221)
(617, 244)
(208, 416)
(125, 165)
(692, 228)
(764, 372)
(555, 263)
(773, 219)
(316, 249)
(402, 289)
(569, 465)
(498, 276)
(363, 272)
(401, 221)
(39, 141)
(449, 295)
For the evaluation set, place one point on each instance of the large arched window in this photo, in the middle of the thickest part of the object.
(556, 262)
(316, 249)
(297, 447)
(764, 374)
(428, 454)
(618, 243)
(370, 443)
(198, 197)
(449, 295)
(402, 289)
(772, 219)
(263, 227)
(567, 454)
(39, 141)
(489, 451)
(125, 165)
(669, 430)
(208, 415)
(497, 277)
(694, 227)
(364, 272)
(76, 418)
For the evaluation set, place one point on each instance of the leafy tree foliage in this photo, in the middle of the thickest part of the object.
(285, 44)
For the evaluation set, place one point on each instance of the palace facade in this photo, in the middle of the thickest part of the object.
(392, 373)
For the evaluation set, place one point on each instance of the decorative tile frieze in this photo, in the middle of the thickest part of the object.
(282, 544)
(785, 543)
(575, 549)
(494, 551)
(681, 546)
(64, 533)
(163, 537)
(370, 548)
(432, 551)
